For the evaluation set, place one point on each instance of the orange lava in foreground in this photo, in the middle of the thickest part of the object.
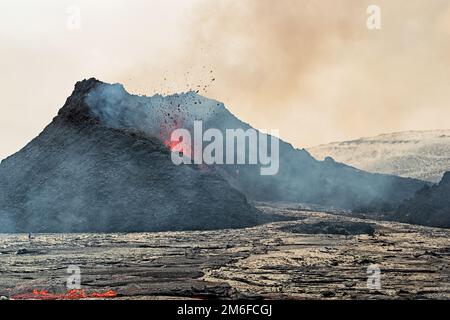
(70, 295)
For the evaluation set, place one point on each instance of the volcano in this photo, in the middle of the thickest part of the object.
(301, 178)
(104, 165)
(83, 175)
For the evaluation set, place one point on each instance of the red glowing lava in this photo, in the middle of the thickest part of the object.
(69, 295)
(165, 133)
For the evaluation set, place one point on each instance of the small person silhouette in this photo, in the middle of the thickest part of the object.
(30, 236)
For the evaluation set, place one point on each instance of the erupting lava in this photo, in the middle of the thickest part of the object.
(70, 295)
(170, 124)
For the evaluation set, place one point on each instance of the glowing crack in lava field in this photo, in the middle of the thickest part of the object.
(70, 295)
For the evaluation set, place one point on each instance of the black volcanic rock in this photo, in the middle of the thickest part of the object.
(80, 175)
(332, 227)
(430, 206)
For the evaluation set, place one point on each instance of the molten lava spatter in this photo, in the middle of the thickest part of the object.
(171, 123)
(69, 295)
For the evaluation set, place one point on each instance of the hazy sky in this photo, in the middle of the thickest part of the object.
(309, 68)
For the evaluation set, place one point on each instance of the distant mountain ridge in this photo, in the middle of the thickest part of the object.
(422, 155)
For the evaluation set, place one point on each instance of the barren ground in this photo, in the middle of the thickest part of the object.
(268, 261)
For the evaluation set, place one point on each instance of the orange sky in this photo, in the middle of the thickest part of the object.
(309, 68)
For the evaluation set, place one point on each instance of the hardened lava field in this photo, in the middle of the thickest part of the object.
(269, 261)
